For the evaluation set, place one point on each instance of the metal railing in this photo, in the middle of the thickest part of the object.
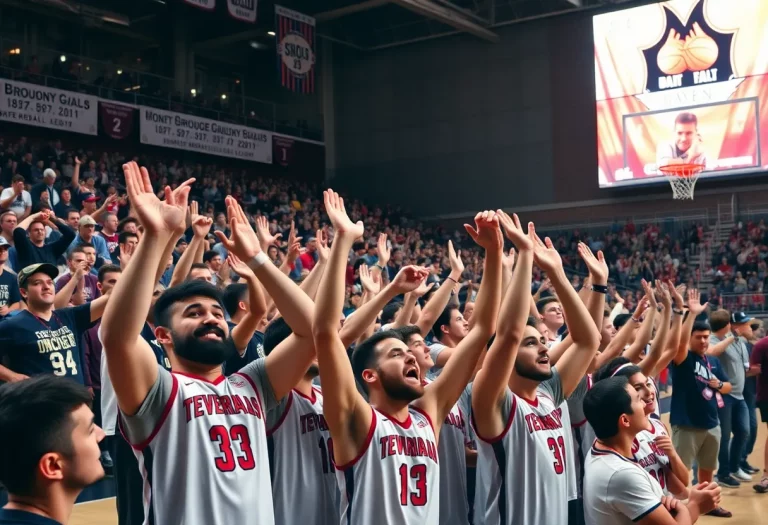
(134, 86)
(750, 302)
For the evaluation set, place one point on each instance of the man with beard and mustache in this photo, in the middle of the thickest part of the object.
(386, 451)
(195, 432)
(517, 398)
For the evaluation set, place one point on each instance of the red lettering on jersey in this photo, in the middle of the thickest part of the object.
(198, 402)
(432, 451)
(656, 449)
(226, 403)
(249, 406)
(217, 405)
(188, 408)
(407, 446)
(422, 447)
(238, 403)
(256, 407)
(208, 401)
(551, 421)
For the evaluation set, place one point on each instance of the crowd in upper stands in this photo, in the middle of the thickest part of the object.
(91, 182)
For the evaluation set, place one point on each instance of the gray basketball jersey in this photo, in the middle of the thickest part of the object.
(526, 465)
(653, 460)
(202, 448)
(304, 489)
(581, 432)
(396, 477)
(454, 508)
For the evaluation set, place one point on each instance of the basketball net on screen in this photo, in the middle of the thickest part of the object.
(682, 178)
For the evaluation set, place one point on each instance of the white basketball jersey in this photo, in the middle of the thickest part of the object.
(649, 456)
(526, 466)
(454, 508)
(206, 460)
(304, 489)
(396, 478)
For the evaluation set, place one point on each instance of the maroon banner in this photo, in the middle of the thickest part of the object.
(116, 119)
(282, 150)
(295, 49)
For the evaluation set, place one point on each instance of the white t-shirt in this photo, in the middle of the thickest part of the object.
(617, 491)
(20, 203)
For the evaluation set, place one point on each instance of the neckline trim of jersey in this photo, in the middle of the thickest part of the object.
(312, 399)
(216, 381)
(404, 424)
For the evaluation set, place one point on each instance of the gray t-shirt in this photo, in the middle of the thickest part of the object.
(434, 351)
(735, 361)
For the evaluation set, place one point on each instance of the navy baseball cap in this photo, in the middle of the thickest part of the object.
(740, 318)
(46, 268)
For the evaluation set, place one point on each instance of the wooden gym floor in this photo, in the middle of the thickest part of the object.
(747, 505)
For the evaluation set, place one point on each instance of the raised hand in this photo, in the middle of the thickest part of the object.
(409, 278)
(545, 255)
(508, 261)
(423, 288)
(155, 215)
(642, 306)
(337, 213)
(126, 252)
(239, 267)
(694, 302)
(201, 224)
(78, 161)
(454, 257)
(265, 236)
(366, 279)
(486, 232)
(292, 237)
(649, 294)
(514, 231)
(676, 293)
(80, 272)
(383, 250)
(294, 250)
(243, 241)
(323, 251)
(597, 266)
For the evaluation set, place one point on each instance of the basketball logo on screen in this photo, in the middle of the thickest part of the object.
(690, 53)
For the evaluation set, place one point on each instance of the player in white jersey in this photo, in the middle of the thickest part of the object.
(617, 490)
(517, 396)
(201, 438)
(386, 451)
(652, 448)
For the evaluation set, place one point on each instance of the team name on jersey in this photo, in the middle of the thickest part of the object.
(455, 420)
(230, 404)
(651, 459)
(55, 340)
(551, 421)
(312, 422)
(407, 446)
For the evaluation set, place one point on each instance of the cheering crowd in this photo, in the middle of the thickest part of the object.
(219, 389)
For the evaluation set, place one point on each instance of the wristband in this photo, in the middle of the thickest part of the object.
(258, 260)
(677, 312)
(449, 278)
(600, 288)
(380, 267)
(634, 320)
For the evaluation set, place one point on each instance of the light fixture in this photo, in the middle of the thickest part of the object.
(271, 33)
(237, 81)
(119, 71)
(87, 68)
(223, 96)
(193, 92)
(15, 51)
(63, 58)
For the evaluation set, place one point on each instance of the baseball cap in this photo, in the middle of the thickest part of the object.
(46, 268)
(740, 318)
(4, 242)
(49, 173)
(89, 197)
(86, 220)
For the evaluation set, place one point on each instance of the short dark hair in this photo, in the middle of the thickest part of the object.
(108, 268)
(364, 356)
(80, 248)
(390, 311)
(443, 319)
(604, 404)
(17, 178)
(233, 294)
(123, 237)
(542, 303)
(687, 118)
(701, 326)
(210, 255)
(122, 223)
(719, 319)
(620, 320)
(406, 332)
(70, 212)
(185, 290)
(198, 266)
(35, 418)
(277, 331)
(610, 368)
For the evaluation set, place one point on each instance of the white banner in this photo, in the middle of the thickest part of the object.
(191, 133)
(244, 10)
(46, 107)
(203, 4)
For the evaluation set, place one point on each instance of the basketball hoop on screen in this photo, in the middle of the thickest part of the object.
(682, 178)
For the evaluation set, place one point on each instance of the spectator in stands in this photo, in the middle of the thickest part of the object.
(86, 234)
(200, 271)
(65, 203)
(212, 260)
(730, 348)
(10, 298)
(16, 198)
(46, 186)
(8, 221)
(126, 241)
(34, 249)
(24, 168)
(551, 314)
(48, 425)
(109, 234)
(310, 255)
(77, 260)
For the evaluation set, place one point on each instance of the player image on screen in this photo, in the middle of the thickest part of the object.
(687, 147)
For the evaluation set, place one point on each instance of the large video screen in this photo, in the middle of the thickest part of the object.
(683, 81)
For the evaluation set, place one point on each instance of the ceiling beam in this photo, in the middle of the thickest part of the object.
(348, 10)
(448, 17)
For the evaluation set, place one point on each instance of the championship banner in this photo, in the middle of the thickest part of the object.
(191, 133)
(208, 5)
(282, 150)
(116, 119)
(296, 50)
(244, 10)
(46, 107)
